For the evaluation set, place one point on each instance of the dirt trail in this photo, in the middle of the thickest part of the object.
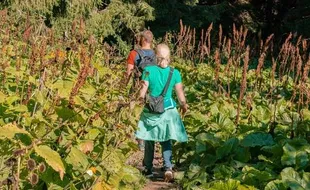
(157, 182)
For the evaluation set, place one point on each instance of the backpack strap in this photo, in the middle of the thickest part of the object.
(137, 72)
(140, 53)
(168, 82)
(142, 56)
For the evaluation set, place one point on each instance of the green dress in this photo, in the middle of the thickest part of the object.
(168, 125)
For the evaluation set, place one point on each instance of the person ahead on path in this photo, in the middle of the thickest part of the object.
(166, 126)
(134, 58)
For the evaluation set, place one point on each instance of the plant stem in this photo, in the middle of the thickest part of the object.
(17, 174)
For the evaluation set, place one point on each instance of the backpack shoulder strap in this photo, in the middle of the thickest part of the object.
(140, 53)
(168, 82)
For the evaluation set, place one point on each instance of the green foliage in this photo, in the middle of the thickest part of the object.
(66, 119)
(115, 20)
(63, 116)
(250, 155)
(52, 158)
(257, 139)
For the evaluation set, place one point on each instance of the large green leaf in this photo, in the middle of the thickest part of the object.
(253, 176)
(257, 139)
(131, 174)
(200, 117)
(112, 161)
(52, 158)
(294, 155)
(306, 180)
(306, 114)
(10, 130)
(11, 99)
(200, 147)
(193, 170)
(226, 185)
(64, 87)
(275, 185)
(242, 154)
(292, 179)
(223, 123)
(69, 114)
(275, 149)
(289, 155)
(77, 159)
(261, 113)
(92, 134)
(227, 148)
(17, 108)
(228, 109)
(208, 138)
(2, 97)
(214, 109)
(223, 172)
(302, 160)
(88, 91)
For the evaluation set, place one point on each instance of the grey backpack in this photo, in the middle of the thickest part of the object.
(145, 60)
(156, 104)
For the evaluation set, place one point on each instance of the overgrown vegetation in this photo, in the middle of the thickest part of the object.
(64, 123)
(249, 120)
(67, 122)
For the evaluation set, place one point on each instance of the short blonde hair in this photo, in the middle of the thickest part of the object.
(163, 54)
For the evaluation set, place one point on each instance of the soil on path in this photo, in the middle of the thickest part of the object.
(157, 182)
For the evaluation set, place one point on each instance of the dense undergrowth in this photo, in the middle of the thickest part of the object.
(249, 120)
(67, 121)
(259, 153)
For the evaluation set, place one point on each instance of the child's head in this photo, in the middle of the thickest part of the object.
(163, 55)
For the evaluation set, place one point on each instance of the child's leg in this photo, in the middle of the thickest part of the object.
(167, 153)
(148, 154)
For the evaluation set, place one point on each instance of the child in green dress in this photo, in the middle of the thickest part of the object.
(166, 126)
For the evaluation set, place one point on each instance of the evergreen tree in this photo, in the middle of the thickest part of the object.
(112, 19)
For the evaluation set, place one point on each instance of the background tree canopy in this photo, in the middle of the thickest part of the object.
(117, 20)
(268, 16)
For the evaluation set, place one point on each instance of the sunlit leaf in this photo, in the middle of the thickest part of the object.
(294, 155)
(226, 185)
(77, 159)
(10, 130)
(18, 108)
(52, 158)
(209, 138)
(86, 146)
(193, 170)
(92, 134)
(292, 179)
(2, 97)
(275, 185)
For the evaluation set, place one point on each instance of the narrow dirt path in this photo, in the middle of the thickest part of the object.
(157, 182)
